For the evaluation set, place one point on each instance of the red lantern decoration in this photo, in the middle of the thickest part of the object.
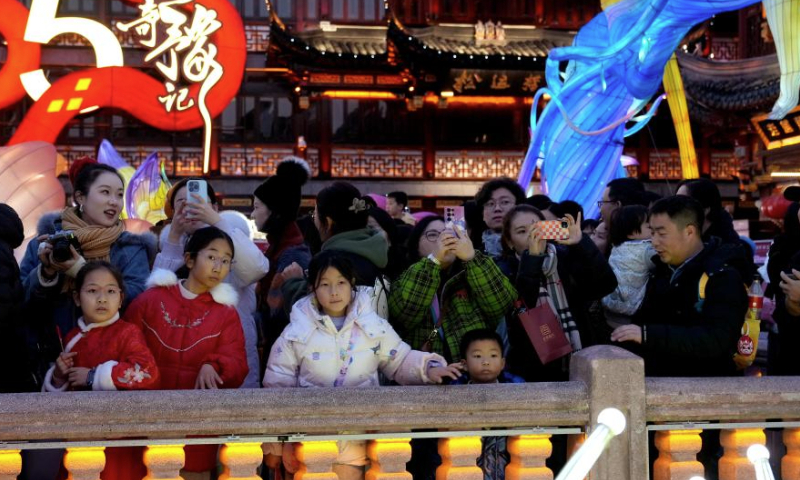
(775, 206)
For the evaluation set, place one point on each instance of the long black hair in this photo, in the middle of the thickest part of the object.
(342, 203)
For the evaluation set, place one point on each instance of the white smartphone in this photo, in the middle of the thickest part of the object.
(196, 187)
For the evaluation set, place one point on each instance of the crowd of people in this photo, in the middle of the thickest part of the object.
(356, 295)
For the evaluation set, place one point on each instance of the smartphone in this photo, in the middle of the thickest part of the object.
(196, 187)
(554, 229)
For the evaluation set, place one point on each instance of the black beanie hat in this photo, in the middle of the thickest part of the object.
(281, 193)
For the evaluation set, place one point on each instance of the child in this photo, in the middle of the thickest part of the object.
(482, 356)
(192, 326)
(102, 353)
(335, 338)
(631, 260)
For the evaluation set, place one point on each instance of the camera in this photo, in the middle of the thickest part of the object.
(61, 242)
(194, 187)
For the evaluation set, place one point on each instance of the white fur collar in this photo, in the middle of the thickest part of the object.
(223, 293)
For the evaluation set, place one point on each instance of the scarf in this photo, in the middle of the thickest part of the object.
(552, 291)
(96, 241)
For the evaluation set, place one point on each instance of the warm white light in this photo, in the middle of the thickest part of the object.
(785, 174)
(759, 457)
(35, 83)
(614, 419)
(757, 452)
(43, 26)
(697, 478)
(610, 423)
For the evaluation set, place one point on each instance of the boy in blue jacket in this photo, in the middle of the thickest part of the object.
(482, 355)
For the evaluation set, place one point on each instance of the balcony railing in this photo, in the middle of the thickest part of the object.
(241, 421)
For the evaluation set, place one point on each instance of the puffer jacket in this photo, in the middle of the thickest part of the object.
(116, 350)
(308, 352)
(631, 262)
(249, 266)
(51, 310)
(184, 334)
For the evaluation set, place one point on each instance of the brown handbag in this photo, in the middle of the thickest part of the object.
(544, 331)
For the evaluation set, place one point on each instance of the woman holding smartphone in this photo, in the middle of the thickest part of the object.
(568, 273)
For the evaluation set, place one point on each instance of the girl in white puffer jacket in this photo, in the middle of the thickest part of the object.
(335, 339)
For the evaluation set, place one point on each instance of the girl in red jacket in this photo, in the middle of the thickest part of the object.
(104, 353)
(192, 327)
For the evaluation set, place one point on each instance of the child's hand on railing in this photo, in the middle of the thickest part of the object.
(452, 371)
(207, 379)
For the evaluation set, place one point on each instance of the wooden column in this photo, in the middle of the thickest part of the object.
(429, 148)
(164, 461)
(316, 460)
(458, 459)
(85, 463)
(388, 459)
(734, 465)
(677, 455)
(240, 461)
(790, 464)
(528, 456)
(325, 147)
(10, 464)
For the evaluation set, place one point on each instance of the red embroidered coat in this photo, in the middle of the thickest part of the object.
(184, 334)
(116, 350)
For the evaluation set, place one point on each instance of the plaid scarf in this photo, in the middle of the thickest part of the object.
(552, 291)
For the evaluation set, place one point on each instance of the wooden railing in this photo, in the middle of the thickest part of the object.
(241, 421)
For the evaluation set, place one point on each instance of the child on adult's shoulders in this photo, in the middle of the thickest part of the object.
(482, 356)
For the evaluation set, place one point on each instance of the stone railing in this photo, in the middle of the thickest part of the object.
(241, 421)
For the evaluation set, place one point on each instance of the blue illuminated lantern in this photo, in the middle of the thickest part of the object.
(614, 68)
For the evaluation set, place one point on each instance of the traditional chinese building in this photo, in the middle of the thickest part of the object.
(427, 96)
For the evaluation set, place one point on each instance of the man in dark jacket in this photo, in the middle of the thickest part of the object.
(686, 329)
(12, 295)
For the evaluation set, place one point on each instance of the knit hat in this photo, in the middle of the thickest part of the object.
(77, 166)
(281, 193)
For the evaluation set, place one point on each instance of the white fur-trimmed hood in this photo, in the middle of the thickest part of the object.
(223, 293)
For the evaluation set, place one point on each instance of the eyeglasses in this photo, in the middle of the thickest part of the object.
(221, 261)
(601, 202)
(505, 203)
(433, 235)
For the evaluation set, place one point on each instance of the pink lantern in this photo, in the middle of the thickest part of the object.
(30, 186)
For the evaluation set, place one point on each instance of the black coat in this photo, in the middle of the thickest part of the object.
(585, 276)
(12, 296)
(684, 336)
(785, 361)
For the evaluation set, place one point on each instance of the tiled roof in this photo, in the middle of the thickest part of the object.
(742, 85)
(348, 40)
(520, 41)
